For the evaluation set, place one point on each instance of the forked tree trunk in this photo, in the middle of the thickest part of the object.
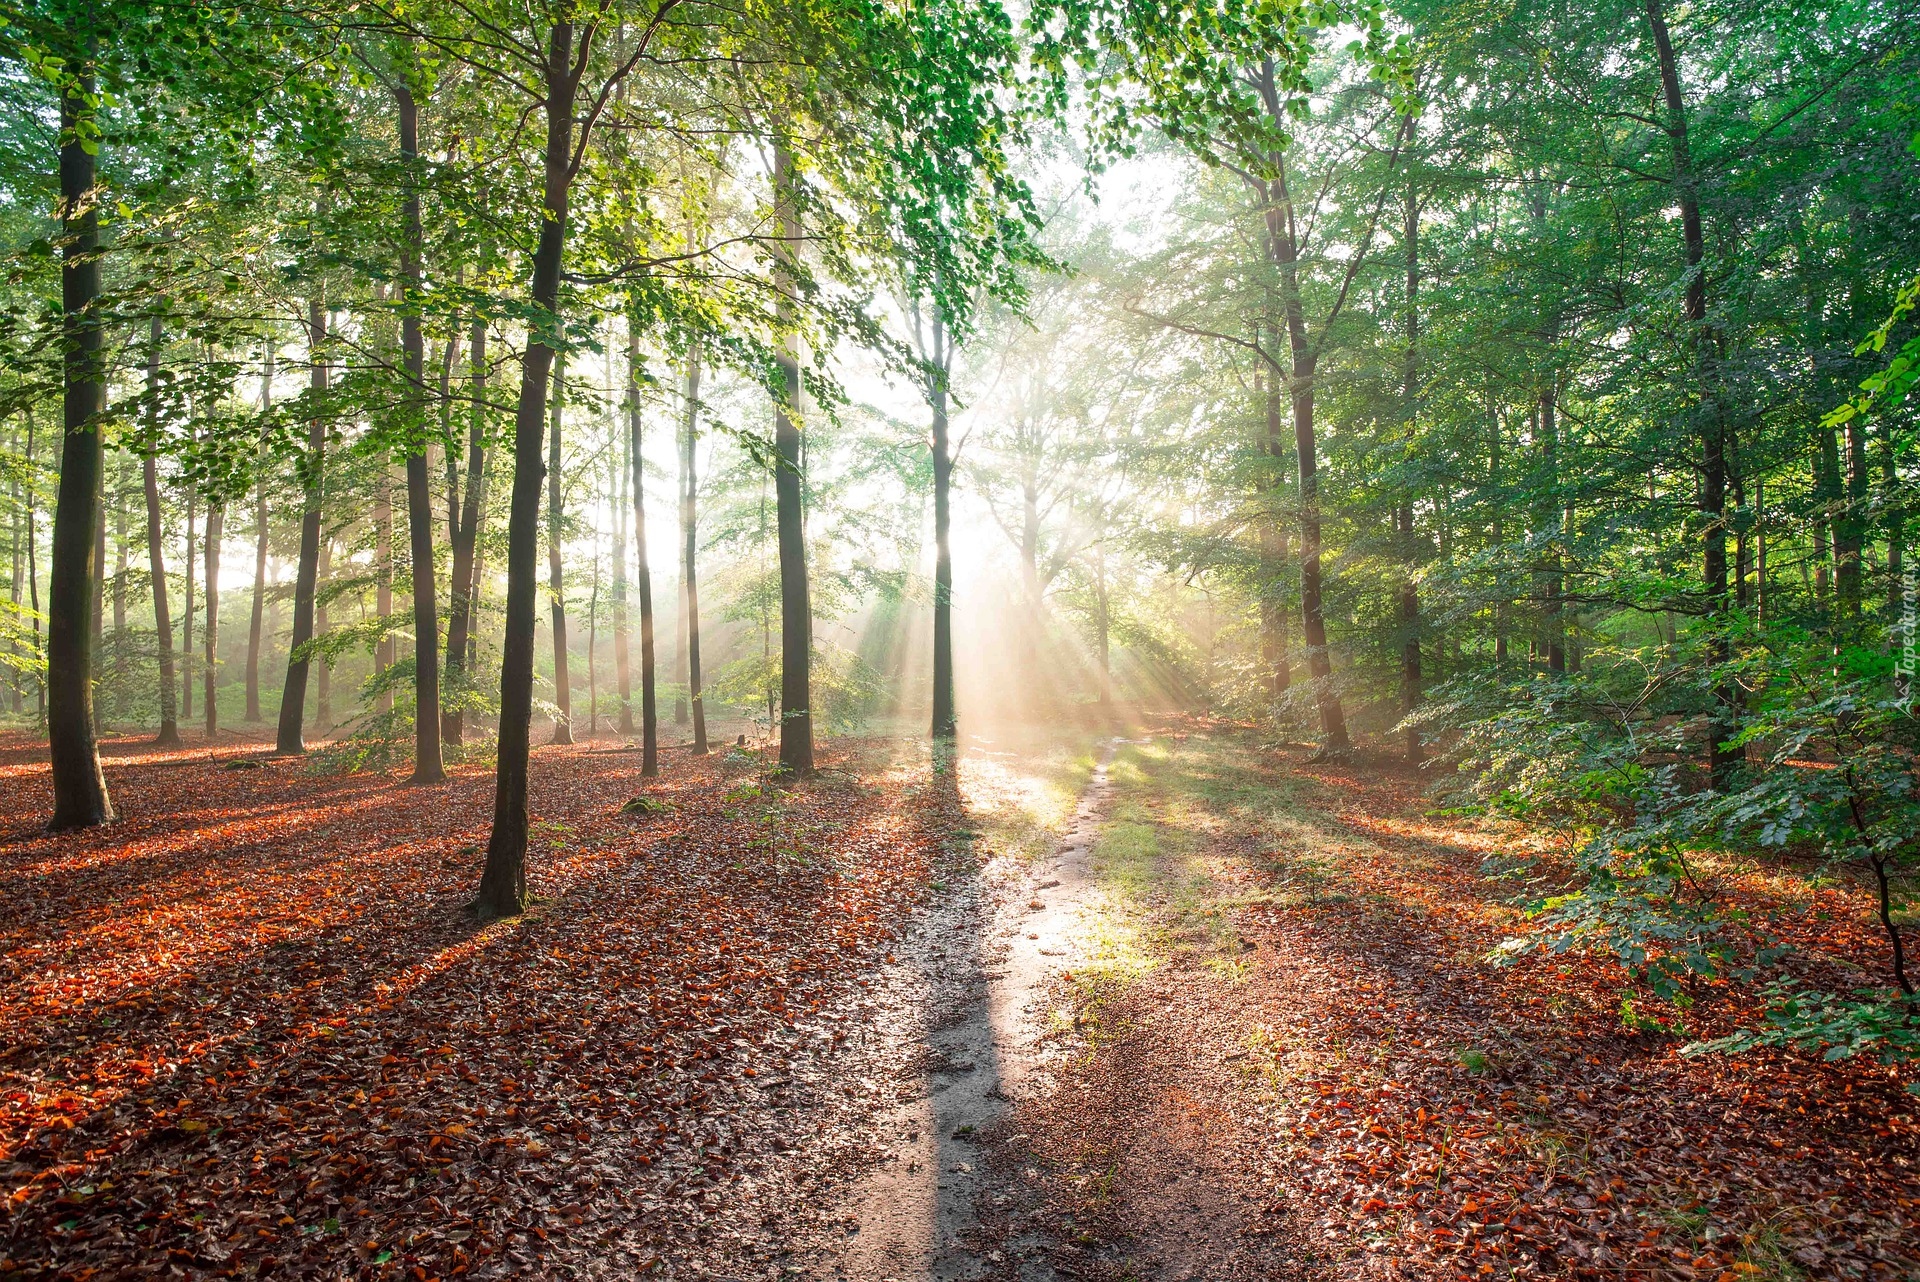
(690, 551)
(643, 573)
(427, 765)
(945, 718)
(169, 736)
(293, 691)
(796, 609)
(79, 788)
(503, 886)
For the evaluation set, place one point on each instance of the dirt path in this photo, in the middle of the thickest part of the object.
(984, 958)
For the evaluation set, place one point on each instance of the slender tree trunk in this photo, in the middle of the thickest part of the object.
(386, 651)
(1556, 624)
(1275, 661)
(466, 541)
(1284, 247)
(945, 718)
(16, 545)
(33, 566)
(216, 528)
(556, 584)
(257, 620)
(120, 552)
(1403, 515)
(186, 619)
(689, 552)
(1713, 462)
(322, 625)
(427, 765)
(643, 571)
(312, 470)
(169, 736)
(796, 609)
(620, 463)
(79, 788)
(503, 885)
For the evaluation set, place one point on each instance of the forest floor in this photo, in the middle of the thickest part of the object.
(1178, 1006)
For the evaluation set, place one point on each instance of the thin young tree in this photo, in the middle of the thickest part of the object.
(690, 550)
(643, 572)
(556, 583)
(169, 736)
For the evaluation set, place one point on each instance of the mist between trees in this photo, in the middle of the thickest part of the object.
(1518, 392)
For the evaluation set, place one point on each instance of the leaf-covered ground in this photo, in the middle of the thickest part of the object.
(1288, 1056)
(249, 1030)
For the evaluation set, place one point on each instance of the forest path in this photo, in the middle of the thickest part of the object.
(987, 956)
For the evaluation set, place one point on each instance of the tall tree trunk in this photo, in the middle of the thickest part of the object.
(556, 584)
(156, 551)
(1713, 461)
(386, 650)
(33, 565)
(620, 463)
(17, 543)
(503, 885)
(643, 572)
(945, 718)
(427, 765)
(216, 527)
(1403, 514)
(312, 471)
(322, 695)
(796, 608)
(120, 551)
(1284, 247)
(1556, 624)
(466, 540)
(689, 552)
(79, 788)
(257, 620)
(1275, 661)
(186, 619)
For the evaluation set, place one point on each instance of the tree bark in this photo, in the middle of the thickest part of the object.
(169, 736)
(293, 692)
(1284, 247)
(186, 618)
(466, 540)
(503, 885)
(386, 650)
(79, 788)
(689, 552)
(556, 584)
(257, 621)
(643, 572)
(945, 718)
(620, 463)
(216, 528)
(1714, 444)
(427, 765)
(1275, 660)
(1403, 515)
(796, 608)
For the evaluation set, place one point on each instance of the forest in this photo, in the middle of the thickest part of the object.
(942, 639)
